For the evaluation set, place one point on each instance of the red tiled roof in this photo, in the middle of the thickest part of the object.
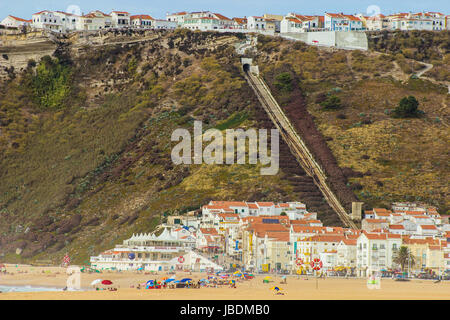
(221, 17)
(428, 227)
(19, 19)
(265, 204)
(229, 203)
(415, 213)
(277, 236)
(301, 221)
(211, 231)
(142, 17)
(266, 227)
(308, 229)
(349, 242)
(41, 12)
(396, 226)
(326, 238)
(240, 20)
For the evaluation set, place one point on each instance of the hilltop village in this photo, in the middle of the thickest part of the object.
(64, 22)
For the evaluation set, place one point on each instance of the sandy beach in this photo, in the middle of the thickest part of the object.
(297, 288)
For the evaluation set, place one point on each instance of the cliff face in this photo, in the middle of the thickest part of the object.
(85, 141)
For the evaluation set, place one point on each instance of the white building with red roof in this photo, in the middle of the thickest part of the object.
(141, 21)
(427, 230)
(15, 22)
(121, 19)
(256, 23)
(295, 23)
(240, 23)
(375, 252)
(342, 22)
(346, 253)
(177, 17)
(48, 20)
(93, 21)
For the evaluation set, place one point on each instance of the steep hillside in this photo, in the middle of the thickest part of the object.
(85, 135)
(85, 143)
(351, 95)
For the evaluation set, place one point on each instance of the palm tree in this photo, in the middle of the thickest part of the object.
(403, 257)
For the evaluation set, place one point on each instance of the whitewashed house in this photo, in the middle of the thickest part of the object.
(375, 23)
(120, 19)
(178, 17)
(427, 230)
(206, 21)
(375, 252)
(15, 22)
(47, 20)
(240, 23)
(295, 23)
(397, 229)
(342, 22)
(346, 253)
(141, 21)
(310, 248)
(256, 23)
(95, 20)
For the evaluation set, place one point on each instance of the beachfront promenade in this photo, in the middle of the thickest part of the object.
(297, 287)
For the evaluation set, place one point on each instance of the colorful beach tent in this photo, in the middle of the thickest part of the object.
(107, 282)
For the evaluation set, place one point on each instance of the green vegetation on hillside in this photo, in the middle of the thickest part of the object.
(393, 159)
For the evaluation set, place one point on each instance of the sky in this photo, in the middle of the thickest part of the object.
(230, 8)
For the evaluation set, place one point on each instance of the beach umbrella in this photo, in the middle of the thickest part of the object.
(275, 289)
(186, 280)
(97, 281)
(169, 280)
(267, 278)
(164, 278)
(140, 269)
(107, 282)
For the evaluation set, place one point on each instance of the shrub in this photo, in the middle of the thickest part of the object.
(332, 103)
(407, 108)
(51, 84)
(284, 82)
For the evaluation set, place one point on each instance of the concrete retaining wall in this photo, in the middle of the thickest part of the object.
(338, 39)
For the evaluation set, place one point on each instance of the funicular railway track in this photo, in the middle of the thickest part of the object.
(296, 145)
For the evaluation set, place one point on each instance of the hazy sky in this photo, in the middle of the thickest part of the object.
(231, 8)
